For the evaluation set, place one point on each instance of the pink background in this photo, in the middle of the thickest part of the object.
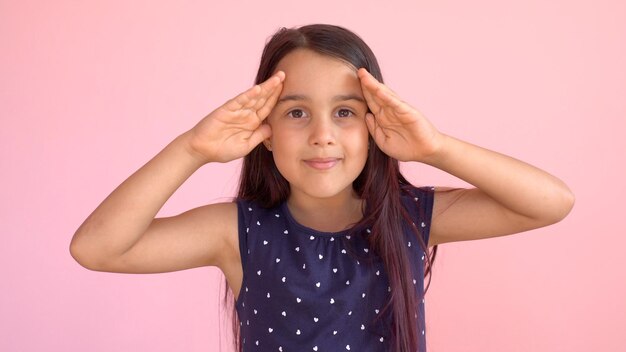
(90, 90)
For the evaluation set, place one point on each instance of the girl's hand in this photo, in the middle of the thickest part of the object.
(399, 130)
(235, 128)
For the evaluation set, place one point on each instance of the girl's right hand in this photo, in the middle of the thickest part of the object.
(235, 128)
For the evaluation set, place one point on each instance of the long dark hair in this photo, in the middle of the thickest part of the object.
(383, 212)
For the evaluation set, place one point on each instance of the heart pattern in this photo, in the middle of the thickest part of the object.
(327, 273)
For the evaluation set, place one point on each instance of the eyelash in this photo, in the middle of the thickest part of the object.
(343, 109)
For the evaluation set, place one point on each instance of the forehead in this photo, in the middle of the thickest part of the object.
(306, 70)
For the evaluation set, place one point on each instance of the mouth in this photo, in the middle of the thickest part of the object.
(322, 163)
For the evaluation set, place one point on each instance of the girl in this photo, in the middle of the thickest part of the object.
(326, 246)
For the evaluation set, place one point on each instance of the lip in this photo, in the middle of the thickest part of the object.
(322, 163)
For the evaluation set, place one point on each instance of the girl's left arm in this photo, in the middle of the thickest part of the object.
(511, 196)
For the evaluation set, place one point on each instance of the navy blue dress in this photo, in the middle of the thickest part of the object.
(305, 290)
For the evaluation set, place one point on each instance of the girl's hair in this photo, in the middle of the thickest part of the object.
(383, 212)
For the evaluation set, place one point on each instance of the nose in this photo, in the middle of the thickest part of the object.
(322, 132)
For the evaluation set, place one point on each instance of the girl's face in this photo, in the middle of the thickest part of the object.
(319, 138)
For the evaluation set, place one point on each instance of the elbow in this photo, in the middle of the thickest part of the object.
(570, 200)
(78, 255)
(82, 255)
(561, 207)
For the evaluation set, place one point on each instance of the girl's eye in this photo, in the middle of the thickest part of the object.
(297, 113)
(344, 113)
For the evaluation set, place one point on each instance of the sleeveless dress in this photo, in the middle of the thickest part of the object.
(306, 290)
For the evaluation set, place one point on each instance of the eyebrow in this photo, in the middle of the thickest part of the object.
(301, 97)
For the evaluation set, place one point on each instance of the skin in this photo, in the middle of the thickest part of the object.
(320, 143)
(123, 235)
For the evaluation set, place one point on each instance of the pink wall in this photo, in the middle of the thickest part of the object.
(90, 90)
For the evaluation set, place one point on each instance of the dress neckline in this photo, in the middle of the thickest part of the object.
(310, 231)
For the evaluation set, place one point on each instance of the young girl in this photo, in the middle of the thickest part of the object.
(326, 246)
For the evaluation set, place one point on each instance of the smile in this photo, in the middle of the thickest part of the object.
(322, 163)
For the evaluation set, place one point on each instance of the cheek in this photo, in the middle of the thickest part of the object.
(365, 144)
(281, 138)
(360, 138)
(284, 147)
(276, 130)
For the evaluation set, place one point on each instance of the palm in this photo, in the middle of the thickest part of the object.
(398, 129)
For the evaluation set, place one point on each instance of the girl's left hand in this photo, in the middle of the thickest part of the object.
(399, 130)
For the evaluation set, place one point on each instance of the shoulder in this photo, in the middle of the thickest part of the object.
(217, 214)
(217, 219)
(252, 214)
(250, 209)
(418, 198)
(417, 191)
(418, 202)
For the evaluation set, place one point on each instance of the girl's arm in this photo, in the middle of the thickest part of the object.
(122, 234)
(510, 196)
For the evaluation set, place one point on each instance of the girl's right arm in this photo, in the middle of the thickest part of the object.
(123, 235)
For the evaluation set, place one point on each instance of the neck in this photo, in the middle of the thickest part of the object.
(326, 214)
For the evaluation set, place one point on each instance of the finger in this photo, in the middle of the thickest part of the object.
(271, 83)
(381, 95)
(366, 87)
(274, 80)
(249, 98)
(242, 99)
(374, 91)
(263, 132)
(374, 86)
(270, 88)
(373, 82)
(374, 129)
(386, 99)
(264, 111)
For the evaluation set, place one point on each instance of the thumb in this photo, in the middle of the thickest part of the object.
(370, 120)
(374, 128)
(263, 132)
